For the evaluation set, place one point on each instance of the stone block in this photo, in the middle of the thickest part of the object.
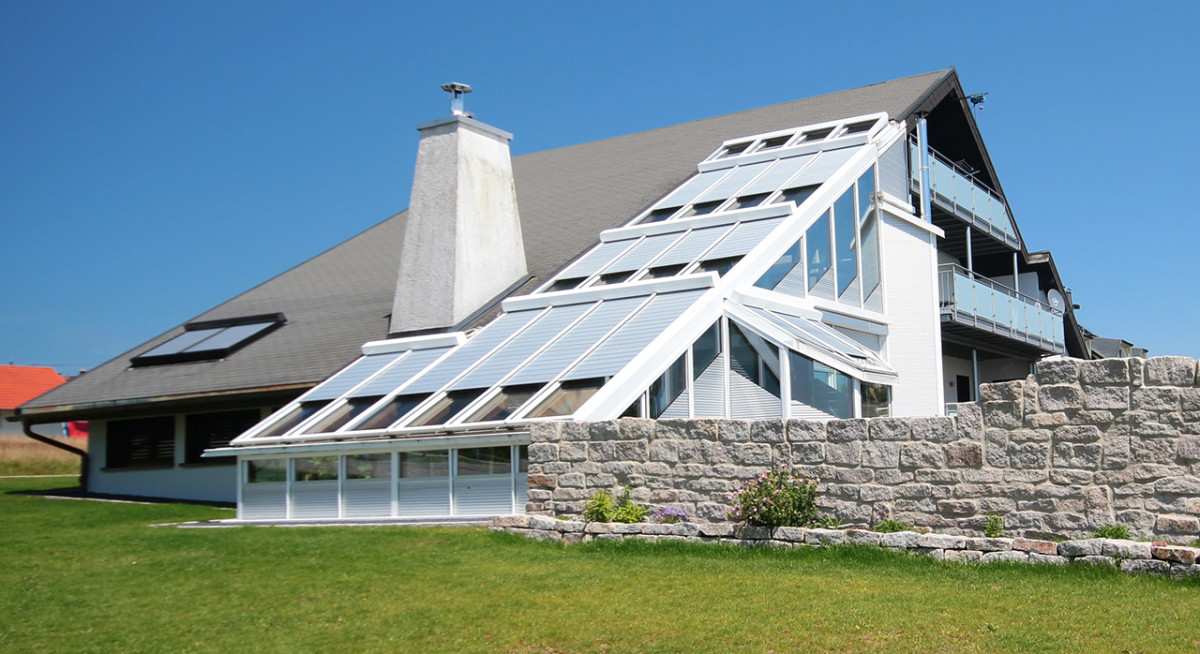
(1057, 371)
(767, 431)
(933, 430)
(941, 541)
(995, 447)
(1014, 556)
(712, 512)
(871, 493)
(844, 431)
(1189, 399)
(962, 556)
(1075, 455)
(569, 526)
(789, 534)
(1002, 415)
(513, 521)
(922, 455)
(964, 454)
(1071, 477)
(1152, 450)
(665, 451)
(545, 432)
(751, 454)
(1186, 485)
(957, 508)
(1174, 553)
(939, 476)
(1188, 448)
(1125, 549)
(543, 452)
(808, 452)
(848, 475)
(1106, 397)
(1011, 391)
(1085, 547)
(998, 505)
(693, 429)
(1155, 398)
(969, 421)
(989, 544)
(1030, 435)
(1046, 420)
(890, 429)
(571, 480)
(573, 450)
(982, 476)
(1077, 433)
(1036, 546)
(847, 454)
(880, 454)
(635, 429)
(935, 554)
(1061, 397)
(862, 537)
(1176, 525)
(1146, 566)
(1170, 371)
(1102, 417)
(1104, 371)
(1046, 559)
(733, 431)
(824, 536)
(1096, 560)
(1028, 455)
(899, 539)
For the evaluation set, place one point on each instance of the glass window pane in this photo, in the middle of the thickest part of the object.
(505, 403)
(703, 209)
(782, 266)
(706, 349)
(797, 195)
(431, 463)
(818, 249)
(369, 466)
(394, 410)
(262, 471)
(523, 459)
(316, 468)
(485, 461)
(567, 398)
(845, 226)
(747, 201)
(343, 414)
(668, 387)
(447, 407)
(719, 266)
(876, 400)
(295, 416)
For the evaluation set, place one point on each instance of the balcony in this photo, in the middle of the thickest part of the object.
(954, 190)
(985, 311)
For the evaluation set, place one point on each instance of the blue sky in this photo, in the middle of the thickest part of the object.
(157, 158)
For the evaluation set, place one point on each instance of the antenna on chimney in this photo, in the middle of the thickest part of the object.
(457, 91)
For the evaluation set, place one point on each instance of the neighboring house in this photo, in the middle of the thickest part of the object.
(1099, 347)
(20, 384)
(780, 261)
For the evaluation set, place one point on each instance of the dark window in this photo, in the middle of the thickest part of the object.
(818, 134)
(736, 148)
(706, 349)
(855, 128)
(485, 460)
(963, 388)
(664, 271)
(394, 410)
(719, 266)
(204, 431)
(141, 442)
(747, 201)
(210, 339)
(659, 215)
(782, 266)
(613, 278)
(447, 407)
(343, 414)
(797, 195)
(293, 417)
(704, 208)
(565, 284)
(773, 143)
(668, 387)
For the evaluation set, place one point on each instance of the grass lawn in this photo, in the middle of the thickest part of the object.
(82, 576)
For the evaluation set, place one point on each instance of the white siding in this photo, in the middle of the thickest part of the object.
(893, 171)
(914, 333)
(710, 390)
(366, 498)
(749, 401)
(483, 495)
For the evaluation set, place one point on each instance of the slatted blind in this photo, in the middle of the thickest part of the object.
(632, 337)
(543, 330)
(690, 189)
(782, 171)
(743, 238)
(473, 350)
(827, 163)
(641, 254)
(554, 359)
(733, 182)
(400, 372)
(351, 376)
(596, 259)
(692, 245)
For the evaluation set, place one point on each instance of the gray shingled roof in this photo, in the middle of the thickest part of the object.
(340, 299)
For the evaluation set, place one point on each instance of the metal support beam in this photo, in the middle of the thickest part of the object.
(970, 253)
(974, 375)
(923, 153)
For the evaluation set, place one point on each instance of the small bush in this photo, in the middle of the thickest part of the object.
(1120, 532)
(890, 526)
(776, 498)
(603, 507)
(994, 528)
(670, 515)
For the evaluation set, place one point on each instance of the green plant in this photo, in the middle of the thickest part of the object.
(1120, 532)
(827, 522)
(994, 528)
(603, 507)
(890, 526)
(776, 498)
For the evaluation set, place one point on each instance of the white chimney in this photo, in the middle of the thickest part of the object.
(462, 240)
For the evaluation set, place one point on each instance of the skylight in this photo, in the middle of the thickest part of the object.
(210, 339)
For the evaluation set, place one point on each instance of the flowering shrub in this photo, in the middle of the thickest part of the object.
(670, 515)
(776, 498)
(603, 507)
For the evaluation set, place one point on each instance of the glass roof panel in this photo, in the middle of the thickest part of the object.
(727, 187)
(473, 350)
(596, 259)
(511, 354)
(781, 172)
(690, 189)
(633, 336)
(182, 342)
(230, 336)
(641, 254)
(554, 359)
(692, 245)
(351, 376)
(403, 370)
(827, 163)
(743, 238)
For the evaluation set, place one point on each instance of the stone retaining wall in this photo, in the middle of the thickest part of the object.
(1082, 444)
(1129, 556)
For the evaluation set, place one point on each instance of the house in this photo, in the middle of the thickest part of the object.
(850, 254)
(20, 384)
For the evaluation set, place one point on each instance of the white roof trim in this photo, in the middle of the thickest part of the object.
(683, 224)
(611, 292)
(427, 342)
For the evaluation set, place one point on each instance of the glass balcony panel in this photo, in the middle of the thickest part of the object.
(992, 307)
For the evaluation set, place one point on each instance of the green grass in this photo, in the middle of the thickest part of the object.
(95, 577)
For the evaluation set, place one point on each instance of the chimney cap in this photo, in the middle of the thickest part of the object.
(457, 90)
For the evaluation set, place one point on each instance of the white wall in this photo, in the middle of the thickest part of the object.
(208, 482)
(911, 303)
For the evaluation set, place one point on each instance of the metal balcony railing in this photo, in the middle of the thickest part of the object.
(955, 190)
(979, 302)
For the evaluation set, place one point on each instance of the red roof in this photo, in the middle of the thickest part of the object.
(19, 384)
